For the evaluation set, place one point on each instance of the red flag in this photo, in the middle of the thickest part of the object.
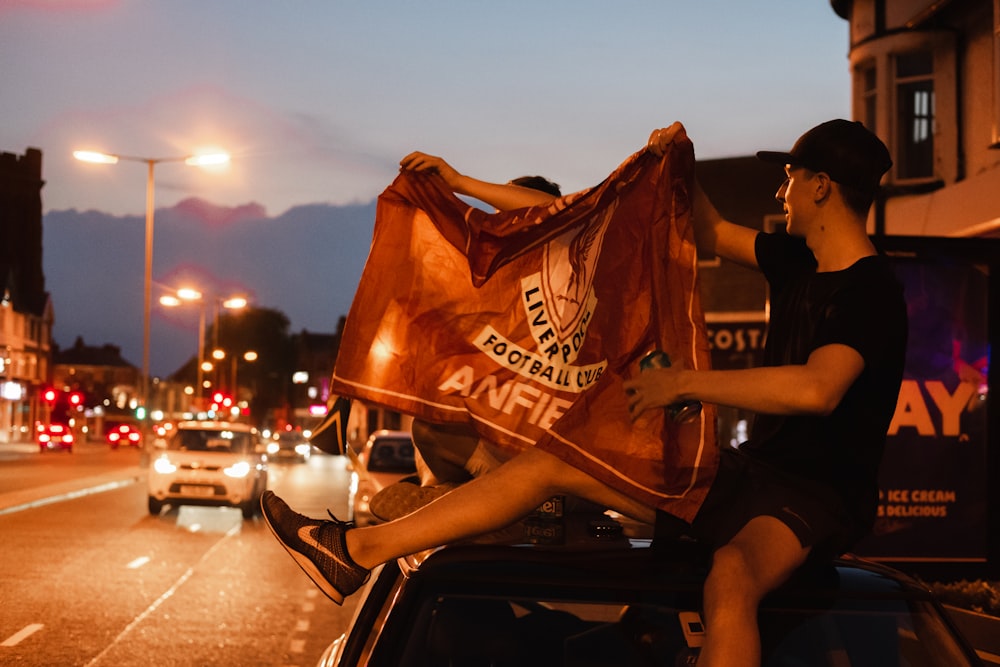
(525, 323)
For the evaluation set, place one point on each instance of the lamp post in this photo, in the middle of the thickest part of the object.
(191, 295)
(110, 158)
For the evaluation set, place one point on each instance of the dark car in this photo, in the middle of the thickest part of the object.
(603, 599)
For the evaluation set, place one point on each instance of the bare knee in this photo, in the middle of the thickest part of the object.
(732, 576)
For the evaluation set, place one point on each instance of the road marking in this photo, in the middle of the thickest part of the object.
(163, 598)
(302, 625)
(110, 486)
(297, 646)
(138, 562)
(23, 634)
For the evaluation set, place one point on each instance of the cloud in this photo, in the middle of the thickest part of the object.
(305, 263)
(280, 157)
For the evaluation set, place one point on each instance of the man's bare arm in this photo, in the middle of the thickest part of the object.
(502, 196)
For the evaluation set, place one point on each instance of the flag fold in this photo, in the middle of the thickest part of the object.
(526, 323)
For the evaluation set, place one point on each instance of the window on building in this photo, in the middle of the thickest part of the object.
(869, 96)
(915, 114)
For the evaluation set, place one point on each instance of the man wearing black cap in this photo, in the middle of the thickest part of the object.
(805, 482)
(804, 485)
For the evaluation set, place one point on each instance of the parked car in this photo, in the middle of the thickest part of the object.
(209, 463)
(603, 599)
(386, 458)
(54, 436)
(289, 445)
(124, 434)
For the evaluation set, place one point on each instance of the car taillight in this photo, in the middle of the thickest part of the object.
(133, 436)
(113, 437)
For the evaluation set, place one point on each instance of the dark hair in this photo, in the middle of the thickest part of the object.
(538, 183)
(858, 201)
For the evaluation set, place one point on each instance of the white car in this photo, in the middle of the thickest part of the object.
(209, 463)
(386, 458)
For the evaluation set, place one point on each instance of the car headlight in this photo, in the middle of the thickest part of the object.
(303, 449)
(272, 448)
(238, 470)
(163, 466)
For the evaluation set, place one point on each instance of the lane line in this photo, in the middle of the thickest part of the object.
(100, 488)
(163, 598)
(138, 562)
(22, 634)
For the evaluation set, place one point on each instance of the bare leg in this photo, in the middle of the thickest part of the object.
(756, 561)
(484, 504)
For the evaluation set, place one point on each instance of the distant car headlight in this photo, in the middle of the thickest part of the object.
(272, 448)
(238, 470)
(303, 449)
(163, 466)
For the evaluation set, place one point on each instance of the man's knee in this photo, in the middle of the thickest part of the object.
(730, 570)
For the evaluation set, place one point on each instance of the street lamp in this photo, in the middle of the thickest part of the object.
(110, 158)
(191, 295)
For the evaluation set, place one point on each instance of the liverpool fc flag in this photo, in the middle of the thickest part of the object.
(525, 323)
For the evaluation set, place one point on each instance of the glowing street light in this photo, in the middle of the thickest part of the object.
(191, 295)
(210, 159)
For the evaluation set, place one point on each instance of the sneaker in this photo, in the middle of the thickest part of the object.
(403, 497)
(318, 546)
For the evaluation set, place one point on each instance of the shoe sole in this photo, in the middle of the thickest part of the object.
(305, 564)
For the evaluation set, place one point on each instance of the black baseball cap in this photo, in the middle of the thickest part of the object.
(845, 150)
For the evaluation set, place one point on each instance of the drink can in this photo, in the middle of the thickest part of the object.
(683, 411)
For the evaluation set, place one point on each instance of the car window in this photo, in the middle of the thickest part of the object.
(212, 440)
(392, 455)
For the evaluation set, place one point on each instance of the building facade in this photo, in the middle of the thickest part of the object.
(25, 309)
(926, 78)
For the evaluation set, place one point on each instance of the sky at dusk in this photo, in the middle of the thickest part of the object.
(317, 100)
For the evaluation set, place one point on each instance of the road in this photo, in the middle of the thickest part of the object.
(89, 578)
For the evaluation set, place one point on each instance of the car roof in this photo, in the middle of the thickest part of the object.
(622, 562)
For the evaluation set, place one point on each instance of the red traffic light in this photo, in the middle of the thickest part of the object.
(49, 395)
(76, 398)
(222, 399)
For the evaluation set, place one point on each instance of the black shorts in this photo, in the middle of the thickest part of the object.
(745, 489)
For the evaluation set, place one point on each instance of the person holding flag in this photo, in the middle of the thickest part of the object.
(803, 486)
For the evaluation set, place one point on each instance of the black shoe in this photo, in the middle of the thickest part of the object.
(318, 546)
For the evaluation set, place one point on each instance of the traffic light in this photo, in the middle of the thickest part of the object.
(76, 398)
(49, 395)
(221, 399)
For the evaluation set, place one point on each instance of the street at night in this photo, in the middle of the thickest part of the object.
(89, 577)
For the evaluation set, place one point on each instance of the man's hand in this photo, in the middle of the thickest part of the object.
(660, 139)
(653, 388)
(418, 161)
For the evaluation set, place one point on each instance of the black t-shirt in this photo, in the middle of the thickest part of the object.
(861, 307)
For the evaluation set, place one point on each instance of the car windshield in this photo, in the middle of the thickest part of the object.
(392, 455)
(508, 630)
(212, 440)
